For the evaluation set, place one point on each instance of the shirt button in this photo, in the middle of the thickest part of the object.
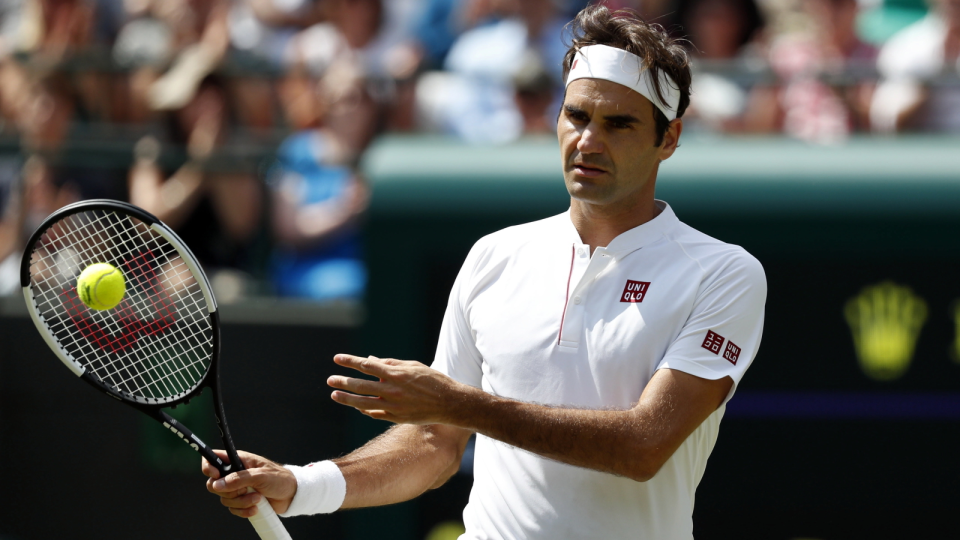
(580, 252)
(576, 300)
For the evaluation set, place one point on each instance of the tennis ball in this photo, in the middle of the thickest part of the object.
(101, 286)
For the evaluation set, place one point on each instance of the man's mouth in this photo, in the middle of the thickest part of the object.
(589, 171)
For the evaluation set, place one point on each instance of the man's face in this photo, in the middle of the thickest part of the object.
(607, 137)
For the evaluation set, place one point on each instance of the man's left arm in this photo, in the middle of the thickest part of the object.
(633, 443)
(697, 374)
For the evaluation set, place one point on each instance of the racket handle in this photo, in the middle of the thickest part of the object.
(267, 522)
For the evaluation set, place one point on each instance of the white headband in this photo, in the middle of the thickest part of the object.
(626, 68)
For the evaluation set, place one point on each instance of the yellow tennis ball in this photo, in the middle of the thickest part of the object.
(101, 286)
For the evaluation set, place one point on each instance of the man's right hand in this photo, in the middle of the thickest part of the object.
(267, 478)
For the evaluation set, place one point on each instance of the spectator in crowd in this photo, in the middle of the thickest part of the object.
(727, 38)
(437, 28)
(534, 93)
(814, 107)
(217, 213)
(910, 98)
(143, 47)
(51, 28)
(169, 47)
(721, 29)
(53, 33)
(11, 224)
(260, 33)
(475, 100)
(442, 21)
(32, 193)
(317, 197)
(200, 37)
(376, 37)
(264, 28)
(42, 106)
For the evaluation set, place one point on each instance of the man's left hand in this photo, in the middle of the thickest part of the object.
(407, 392)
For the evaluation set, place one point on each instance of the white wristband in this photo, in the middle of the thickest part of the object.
(321, 489)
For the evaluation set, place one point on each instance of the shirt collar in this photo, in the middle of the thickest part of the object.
(639, 236)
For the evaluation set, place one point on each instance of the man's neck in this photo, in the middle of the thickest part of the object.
(599, 225)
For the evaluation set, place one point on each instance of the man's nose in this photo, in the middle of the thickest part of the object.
(590, 141)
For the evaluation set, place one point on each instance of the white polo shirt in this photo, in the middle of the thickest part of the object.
(533, 317)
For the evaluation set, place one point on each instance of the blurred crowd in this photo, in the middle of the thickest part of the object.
(196, 92)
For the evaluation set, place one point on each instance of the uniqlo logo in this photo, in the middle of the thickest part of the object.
(713, 342)
(732, 353)
(634, 291)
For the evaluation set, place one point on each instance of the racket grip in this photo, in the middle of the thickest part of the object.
(267, 522)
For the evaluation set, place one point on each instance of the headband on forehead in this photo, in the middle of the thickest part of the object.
(623, 67)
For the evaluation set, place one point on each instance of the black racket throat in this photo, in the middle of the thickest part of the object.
(156, 410)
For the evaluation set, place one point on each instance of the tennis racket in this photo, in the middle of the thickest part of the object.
(160, 346)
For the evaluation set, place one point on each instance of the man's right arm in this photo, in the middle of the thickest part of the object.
(397, 466)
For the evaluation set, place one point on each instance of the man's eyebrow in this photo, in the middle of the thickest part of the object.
(615, 118)
(622, 119)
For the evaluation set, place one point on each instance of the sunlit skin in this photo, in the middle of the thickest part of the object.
(610, 163)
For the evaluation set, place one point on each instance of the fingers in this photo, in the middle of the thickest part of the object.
(364, 395)
(370, 365)
(406, 392)
(236, 493)
(232, 485)
(369, 397)
(240, 491)
(363, 403)
(357, 386)
(208, 469)
(244, 505)
(237, 483)
(250, 461)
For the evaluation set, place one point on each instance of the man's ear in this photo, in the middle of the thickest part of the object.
(671, 139)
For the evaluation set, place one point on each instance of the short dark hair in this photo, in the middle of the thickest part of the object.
(624, 29)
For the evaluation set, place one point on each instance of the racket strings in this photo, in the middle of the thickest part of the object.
(170, 369)
(157, 343)
(105, 339)
(148, 282)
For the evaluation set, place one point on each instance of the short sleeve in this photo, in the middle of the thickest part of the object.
(457, 354)
(722, 335)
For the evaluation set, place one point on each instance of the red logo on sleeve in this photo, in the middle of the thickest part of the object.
(713, 341)
(634, 291)
(732, 353)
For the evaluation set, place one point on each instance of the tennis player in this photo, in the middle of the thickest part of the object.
(592, 352)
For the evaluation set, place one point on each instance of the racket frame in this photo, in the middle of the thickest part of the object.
(210, 379)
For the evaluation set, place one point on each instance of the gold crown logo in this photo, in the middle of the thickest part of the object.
(885, 320)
